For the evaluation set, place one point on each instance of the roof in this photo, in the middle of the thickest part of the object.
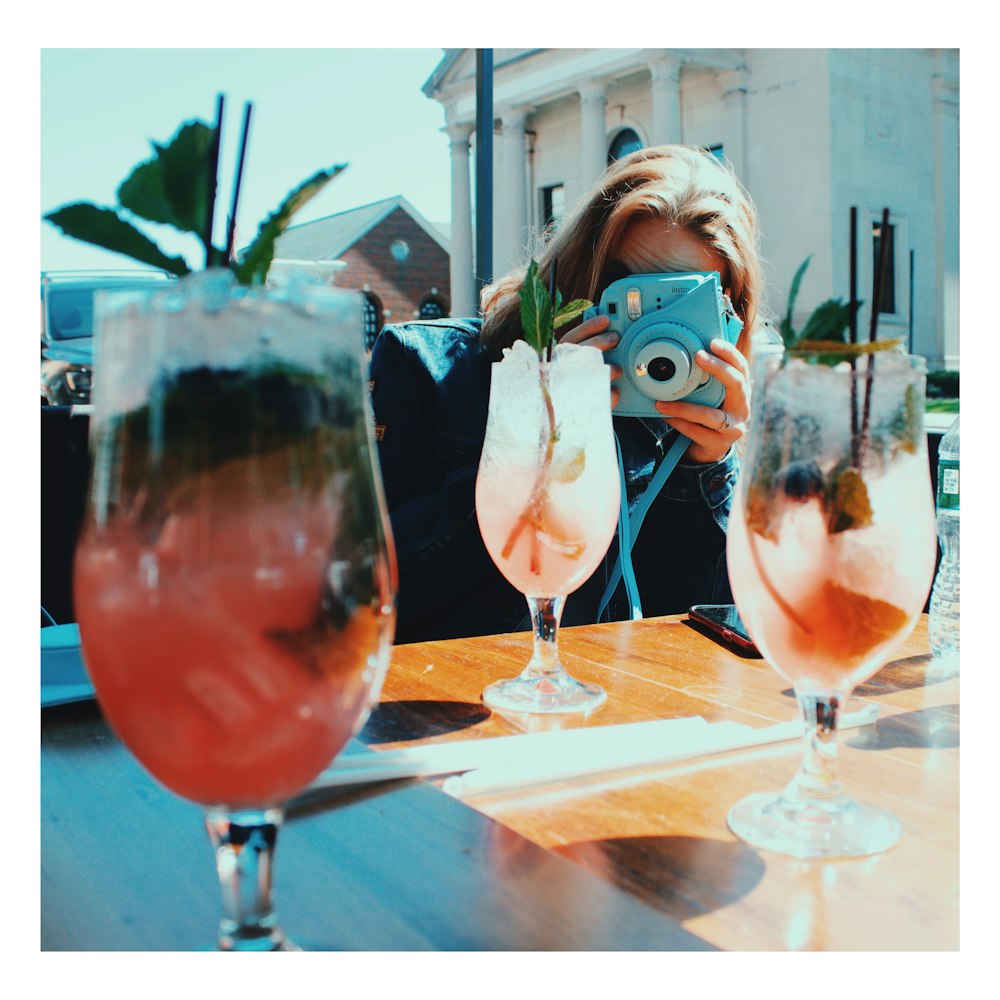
(330, 237)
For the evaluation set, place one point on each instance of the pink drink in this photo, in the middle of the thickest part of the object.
(547, 493)
(825, 609)
(554, 555)
(209, 643)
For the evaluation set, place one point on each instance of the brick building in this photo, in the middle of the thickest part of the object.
(385, 249)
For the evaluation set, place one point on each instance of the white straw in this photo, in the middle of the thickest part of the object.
(535, 758)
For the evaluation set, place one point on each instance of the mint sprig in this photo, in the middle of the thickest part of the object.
(542, 313)
(176, 188)
(824, 337)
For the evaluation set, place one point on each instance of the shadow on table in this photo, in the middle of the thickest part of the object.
(904, 674)
(398, 721)
(682, 876)
(927, 728)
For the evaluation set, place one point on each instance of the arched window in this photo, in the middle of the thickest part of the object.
(372, 318)
(626, 141)
(432, 306)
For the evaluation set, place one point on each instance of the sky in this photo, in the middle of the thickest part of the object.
(102, 108)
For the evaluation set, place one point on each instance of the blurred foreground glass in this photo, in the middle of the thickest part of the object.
(547, 497)
(831, 549)
(235, 581)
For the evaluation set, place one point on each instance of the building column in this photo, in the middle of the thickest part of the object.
(665, 87)
(735, 84)
(944, 85)
(511, 237)
(593, 132)
(462, 272)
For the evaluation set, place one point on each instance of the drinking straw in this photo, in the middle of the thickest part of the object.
(853, 316)
(534, 758)
(231, 231)
(552, 296)
(854, 274)
(213, 182)
(880, 272)
(883, 264)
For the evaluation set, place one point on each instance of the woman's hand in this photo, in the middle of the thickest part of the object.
(714, 430)
(594, 332)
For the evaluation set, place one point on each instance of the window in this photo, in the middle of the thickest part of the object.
(887, 292)
(372, 318)
(553, 205)
(625, 142)
(717, 151)
(432, 306)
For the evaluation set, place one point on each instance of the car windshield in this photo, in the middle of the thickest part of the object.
(70, 309)
(71, 313)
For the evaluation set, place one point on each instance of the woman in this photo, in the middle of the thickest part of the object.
(668, 208)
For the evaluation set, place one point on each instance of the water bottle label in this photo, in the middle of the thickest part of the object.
(948, 486)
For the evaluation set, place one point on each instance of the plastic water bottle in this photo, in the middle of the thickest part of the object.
(944, 612)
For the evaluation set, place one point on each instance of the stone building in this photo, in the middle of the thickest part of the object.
(811, 133)
(387, 250)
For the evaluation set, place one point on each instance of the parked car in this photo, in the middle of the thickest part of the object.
(67, 333)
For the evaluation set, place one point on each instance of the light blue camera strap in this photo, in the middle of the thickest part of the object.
(629, 525)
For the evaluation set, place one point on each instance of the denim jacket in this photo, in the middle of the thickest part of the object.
(430, 385)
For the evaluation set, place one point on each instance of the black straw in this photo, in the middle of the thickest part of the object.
(880, 273)
(213, 180)
(244, 133)
(854, 275)
(853, 318)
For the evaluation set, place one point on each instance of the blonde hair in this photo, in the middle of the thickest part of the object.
(685, 186)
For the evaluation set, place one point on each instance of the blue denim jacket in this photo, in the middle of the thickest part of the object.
(430, 385)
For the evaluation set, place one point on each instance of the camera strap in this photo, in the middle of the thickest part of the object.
(629, 525)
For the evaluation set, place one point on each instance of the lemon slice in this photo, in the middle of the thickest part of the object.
(568, 470)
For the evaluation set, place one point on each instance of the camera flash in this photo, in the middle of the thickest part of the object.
(633, 303)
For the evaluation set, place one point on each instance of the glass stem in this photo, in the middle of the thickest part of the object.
(244, 854)
(545, 615)
(817, 779)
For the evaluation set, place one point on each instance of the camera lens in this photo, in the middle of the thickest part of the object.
(661, 369)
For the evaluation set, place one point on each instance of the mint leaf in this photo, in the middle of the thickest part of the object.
(104, 228)
(175, 187)
(255, 262)
(569, 312)
(536, 310)
(829, 321)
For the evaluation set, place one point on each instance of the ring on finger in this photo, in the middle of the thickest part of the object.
(725, 422)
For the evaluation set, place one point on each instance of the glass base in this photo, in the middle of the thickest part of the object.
(838, 828)
(547, 693)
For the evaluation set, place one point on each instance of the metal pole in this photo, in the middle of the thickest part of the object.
(484, 168)
(910, 342)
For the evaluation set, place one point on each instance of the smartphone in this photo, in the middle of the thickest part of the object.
(724, 620)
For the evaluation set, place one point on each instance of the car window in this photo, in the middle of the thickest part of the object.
(71, 313)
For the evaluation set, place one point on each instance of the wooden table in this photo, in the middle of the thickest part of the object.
(635, 860)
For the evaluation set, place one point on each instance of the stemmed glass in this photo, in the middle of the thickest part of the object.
(547, 499)
(831, 550)
(234, 581)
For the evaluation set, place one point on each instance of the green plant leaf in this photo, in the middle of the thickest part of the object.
(828, 321)
(253, 265)
(103, 227)
(175, 187)
(569, 312)
(786, 329)
(848, 505)
(536, 310)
